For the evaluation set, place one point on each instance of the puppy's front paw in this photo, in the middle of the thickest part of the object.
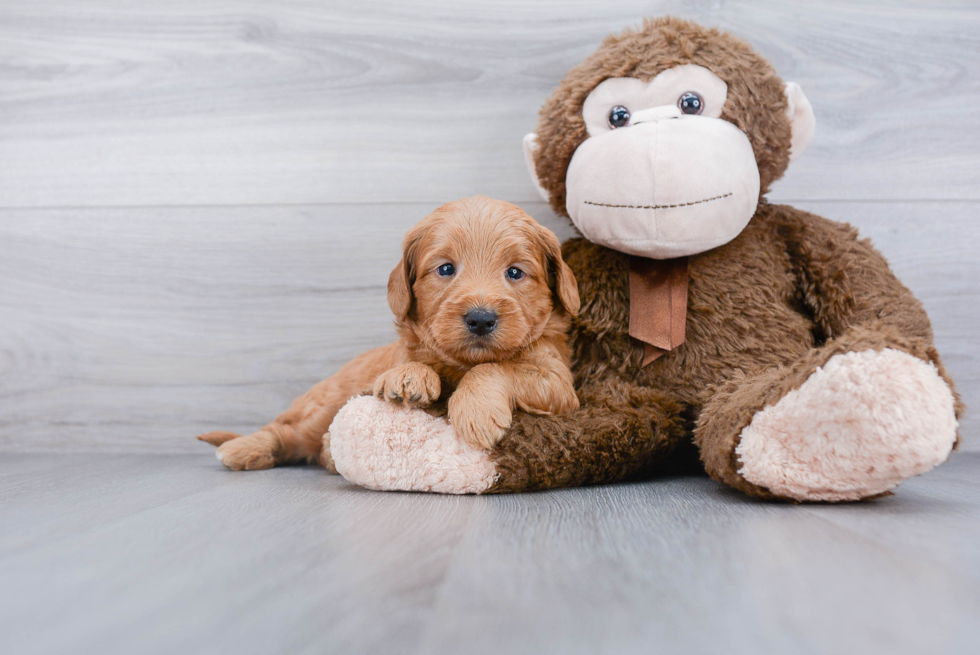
(480, 419)
(414, 384)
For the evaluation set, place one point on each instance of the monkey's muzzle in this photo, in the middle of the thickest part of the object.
(666, 186)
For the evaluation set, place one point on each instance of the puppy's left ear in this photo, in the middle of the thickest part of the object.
(563, 281)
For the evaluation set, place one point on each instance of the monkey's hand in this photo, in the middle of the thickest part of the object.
(413, 384)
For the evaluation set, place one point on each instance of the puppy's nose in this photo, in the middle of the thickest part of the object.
(481, 321)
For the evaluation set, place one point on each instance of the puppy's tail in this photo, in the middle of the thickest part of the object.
(217, 438)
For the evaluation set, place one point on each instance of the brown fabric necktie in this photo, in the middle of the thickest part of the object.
(658, 304)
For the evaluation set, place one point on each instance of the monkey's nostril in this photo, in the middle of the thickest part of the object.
(480, 321)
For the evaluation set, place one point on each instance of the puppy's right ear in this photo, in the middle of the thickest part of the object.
(400, 290)
(400, 296)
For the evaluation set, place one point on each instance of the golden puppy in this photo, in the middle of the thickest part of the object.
(482, 300)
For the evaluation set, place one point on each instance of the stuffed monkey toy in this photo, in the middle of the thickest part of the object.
(773, 345)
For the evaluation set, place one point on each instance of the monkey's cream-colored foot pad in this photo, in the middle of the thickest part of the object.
(857, 427)
(380, 445)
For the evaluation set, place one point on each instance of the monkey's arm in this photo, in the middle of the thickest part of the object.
(846, 284)
(843, 280)
(619, 431)
(869, 406)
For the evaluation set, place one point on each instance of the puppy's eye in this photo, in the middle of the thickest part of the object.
(446, 270)
(691, 103)
(514, 273)
(619, 116)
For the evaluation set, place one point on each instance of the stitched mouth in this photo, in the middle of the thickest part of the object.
(681, 204)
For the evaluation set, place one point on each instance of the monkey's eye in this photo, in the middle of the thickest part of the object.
(619, 117)
(691, 103)
(446, 270)
(514, 273)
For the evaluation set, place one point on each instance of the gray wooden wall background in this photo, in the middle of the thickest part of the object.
(200, 201)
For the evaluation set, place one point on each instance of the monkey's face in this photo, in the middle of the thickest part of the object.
(680, 131)
(661, 174)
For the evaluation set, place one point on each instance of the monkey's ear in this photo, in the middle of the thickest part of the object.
(530, 146)
(801, 118)
(565, 286)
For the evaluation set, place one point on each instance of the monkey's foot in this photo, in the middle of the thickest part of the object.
(383, 446)
(857, 427)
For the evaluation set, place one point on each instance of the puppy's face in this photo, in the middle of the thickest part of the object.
(479, 280)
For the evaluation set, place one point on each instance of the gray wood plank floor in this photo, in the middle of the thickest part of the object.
(173, 554)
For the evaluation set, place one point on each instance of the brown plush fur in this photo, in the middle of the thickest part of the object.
(764, 311)
(522, 363)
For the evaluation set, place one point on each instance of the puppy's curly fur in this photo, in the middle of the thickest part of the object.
(460, 258)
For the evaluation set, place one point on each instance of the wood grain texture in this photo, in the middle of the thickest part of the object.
(242, 102)
(167, 554)
(133, 330)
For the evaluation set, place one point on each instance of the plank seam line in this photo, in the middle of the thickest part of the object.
(538, 201)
